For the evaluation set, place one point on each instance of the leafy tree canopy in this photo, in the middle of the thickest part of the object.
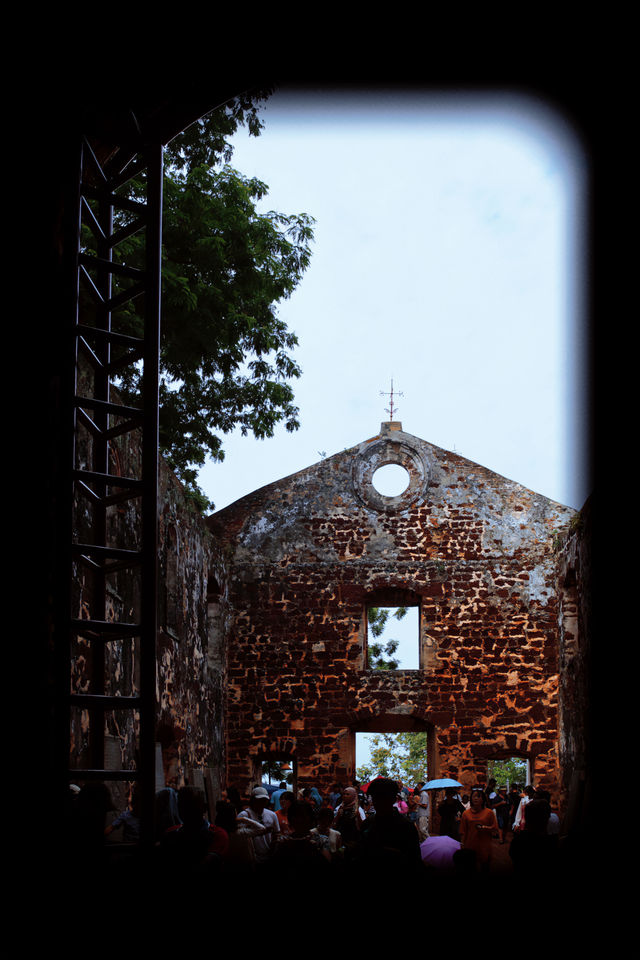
(380, 655)
(225, 355)
(401, 756)
(272, 770)
(507, 772)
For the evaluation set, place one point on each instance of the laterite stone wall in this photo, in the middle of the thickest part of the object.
(577, 696)
(308, 554)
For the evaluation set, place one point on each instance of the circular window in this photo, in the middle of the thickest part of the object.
(400, 469)
(391, 480)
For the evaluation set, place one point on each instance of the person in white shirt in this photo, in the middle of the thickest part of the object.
(258, 812)
(518, 823)
(329, 839)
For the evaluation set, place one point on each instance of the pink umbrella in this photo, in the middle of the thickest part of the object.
(438, 852)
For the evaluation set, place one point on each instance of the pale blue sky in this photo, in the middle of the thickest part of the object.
(448, 255)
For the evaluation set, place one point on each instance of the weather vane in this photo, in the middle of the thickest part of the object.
(390, 408)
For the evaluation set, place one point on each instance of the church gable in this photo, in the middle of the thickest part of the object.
(471, 550)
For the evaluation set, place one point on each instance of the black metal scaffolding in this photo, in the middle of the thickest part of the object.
(103, 284)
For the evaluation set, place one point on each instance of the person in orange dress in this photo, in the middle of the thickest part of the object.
(478, 825)
(286, 799)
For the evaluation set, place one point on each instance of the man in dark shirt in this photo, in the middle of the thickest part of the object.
(389, 839)
(534, 853)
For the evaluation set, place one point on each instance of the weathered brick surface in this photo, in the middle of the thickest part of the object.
(574, 657)
(309, 553)
(190, 681)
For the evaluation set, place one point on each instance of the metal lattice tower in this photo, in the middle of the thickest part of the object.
(103, 283)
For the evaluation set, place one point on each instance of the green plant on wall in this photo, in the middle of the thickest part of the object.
(576, 523)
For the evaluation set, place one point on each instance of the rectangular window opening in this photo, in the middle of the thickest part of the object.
(393, 637)
(401, 756)
(509, 771)
(276, 771)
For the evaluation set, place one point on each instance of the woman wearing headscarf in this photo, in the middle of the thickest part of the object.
(349, 818)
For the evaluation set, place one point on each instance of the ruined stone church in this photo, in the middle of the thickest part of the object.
(261, 650)
(306, 556)
(250, 643)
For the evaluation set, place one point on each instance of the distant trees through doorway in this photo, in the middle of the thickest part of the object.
(508, 771)
(401, 756)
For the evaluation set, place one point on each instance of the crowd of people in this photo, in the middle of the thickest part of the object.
(379, 828)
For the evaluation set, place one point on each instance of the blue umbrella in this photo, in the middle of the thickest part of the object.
(441, 784)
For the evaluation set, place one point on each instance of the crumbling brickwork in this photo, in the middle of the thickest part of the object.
(576, 668)
(190, 678)
(310, 553)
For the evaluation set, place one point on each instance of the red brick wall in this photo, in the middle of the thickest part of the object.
(309, 553)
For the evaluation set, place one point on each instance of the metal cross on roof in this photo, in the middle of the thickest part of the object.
(390, 409)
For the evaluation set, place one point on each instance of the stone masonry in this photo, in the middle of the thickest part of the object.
(309, 554)
(577, 693)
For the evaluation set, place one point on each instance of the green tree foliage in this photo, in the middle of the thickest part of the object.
(273, 772)
(225, 355)
(506, 772)
(380, 653)
(401, 756)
